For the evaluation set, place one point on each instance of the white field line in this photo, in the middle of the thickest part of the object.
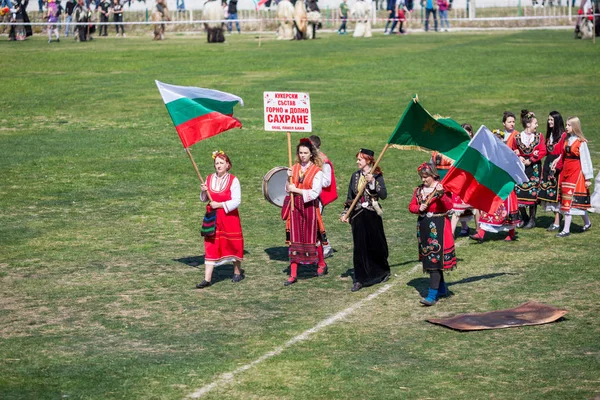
(228, 377)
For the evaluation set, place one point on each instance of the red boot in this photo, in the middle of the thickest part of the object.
(322, 265)
(293, 275)
(478, 236)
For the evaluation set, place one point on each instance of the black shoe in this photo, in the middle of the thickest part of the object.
(586, 227)
(324, 272)
(237, 277)
(552, 228)
(464, 232)
(356, 287)
(530, 224)
(290, 281)
(203, 284)
(563, 234)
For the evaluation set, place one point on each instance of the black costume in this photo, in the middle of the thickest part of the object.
(20, 15)
(370, 245)
(104, 11)
(83, 14)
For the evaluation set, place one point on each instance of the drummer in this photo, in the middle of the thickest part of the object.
(329, 192)
(303, 223)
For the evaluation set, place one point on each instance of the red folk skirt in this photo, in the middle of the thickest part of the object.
(573, 192)
(228, 242)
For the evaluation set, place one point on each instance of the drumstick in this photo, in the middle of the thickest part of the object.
(197, 172)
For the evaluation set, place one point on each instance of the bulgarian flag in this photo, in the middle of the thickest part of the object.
(419, 130)
(486, 173)
(199, 113)
(258, 3)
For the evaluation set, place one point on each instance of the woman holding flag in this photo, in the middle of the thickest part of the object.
(434, 232)
(370, 244)
(227, 242)
(304, 226)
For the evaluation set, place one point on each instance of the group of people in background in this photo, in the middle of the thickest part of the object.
(558, 165)
(74, 11)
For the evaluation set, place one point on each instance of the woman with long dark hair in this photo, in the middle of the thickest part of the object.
(370, 244)
(529, 145)
(304, 226)
(549, 184)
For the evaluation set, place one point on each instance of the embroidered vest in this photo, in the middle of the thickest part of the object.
(329, 194)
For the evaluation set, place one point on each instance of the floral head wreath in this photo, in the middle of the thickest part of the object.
(429, 169)
(217, 153)
(306, 142)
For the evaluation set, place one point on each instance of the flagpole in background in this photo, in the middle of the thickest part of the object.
(361, 190)
(289, 137)
(197, 171)
(260, 30)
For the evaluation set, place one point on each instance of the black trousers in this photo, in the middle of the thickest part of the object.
(103, 28)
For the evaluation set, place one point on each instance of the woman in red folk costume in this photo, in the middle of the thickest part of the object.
(530, 147)
(505, 218)
(434, 233)
(304, 226)
(329, 191)
(227, 244)
(550, 185)
(576, 177)
(461, 211)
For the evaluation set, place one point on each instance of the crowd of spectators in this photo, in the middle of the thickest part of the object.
(434, 15)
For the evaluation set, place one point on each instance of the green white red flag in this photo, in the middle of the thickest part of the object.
(418, 129)
(486, 173)
(199, 113)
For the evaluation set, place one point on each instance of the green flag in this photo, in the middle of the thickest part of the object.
(419, 129)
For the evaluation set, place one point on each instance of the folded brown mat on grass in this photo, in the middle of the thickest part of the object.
(530, 313)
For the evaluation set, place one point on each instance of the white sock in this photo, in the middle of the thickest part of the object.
(567, 226)
(586, 218)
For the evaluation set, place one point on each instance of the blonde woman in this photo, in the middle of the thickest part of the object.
(576, 177)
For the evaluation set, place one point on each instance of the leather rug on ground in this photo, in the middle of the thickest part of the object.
(530, 313)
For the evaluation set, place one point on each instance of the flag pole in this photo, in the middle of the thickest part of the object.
(197, 171)
(289, 137)
(361, 190)
(260, 30)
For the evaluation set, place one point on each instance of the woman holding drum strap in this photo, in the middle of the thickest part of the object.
(304, 226)
(370, 245)
(227, 244)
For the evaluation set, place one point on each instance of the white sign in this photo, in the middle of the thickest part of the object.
(288, 112)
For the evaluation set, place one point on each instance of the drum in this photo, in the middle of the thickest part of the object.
(273, 185)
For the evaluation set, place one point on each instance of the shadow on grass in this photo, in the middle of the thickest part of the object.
(278, 253)
(421, 285)
(304, 271)
(405, 263)
(196, 261)
(349, 273)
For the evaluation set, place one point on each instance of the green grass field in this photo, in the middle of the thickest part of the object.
(99, 225)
